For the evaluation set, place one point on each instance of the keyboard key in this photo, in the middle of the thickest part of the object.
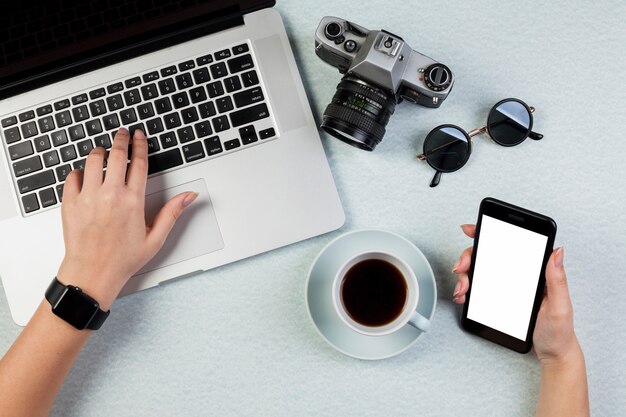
(102, 141)
(30, 203)
(207, 110)
(193, 152)
(20, 150)
(232, 84)
(12, 135)
(145, 110)
(267, 133)
(149, 91)
(115, 102)
(79, 99)
(93, 127)
(46, 124)
(84, 147)
(218, 70)
(151, 76)
(27, 166)
(249, 78)
(115, 88)
(27, 115)
(80, 113)
(167, 86)
(184, 81)
(213, 145)
(9, 121)
(240, 49)
(132, 97)
(168, 140)
(163, 105)
(168, 71)
(42, 111)
(221, 123)
(172, 120)
(231, 144)
(98, 108)
(187, 65)
(203, 129)
(201, 76)
(47, 197)
(240, 63)
(215, 89)
(51, 159)
(59, 189)
(63, 119)
(76, 132)
(190, 115)
(197, 95)
(58, 138)
(154, 126)
(247, 97)
(203, 60)
(111, 121)
(138, 126)
(80, 164)
(153, 145)
(249, 115)
(223, 54)
(180, 100)
(68, 153)
(185, 134)
(133, 82)
(29, 130)
(63, 171)
(224, 104)
(97, 93)
(60, 105)
(165, 160)
(128, 116)
(36, 181)
(248, 134)
(42, 143)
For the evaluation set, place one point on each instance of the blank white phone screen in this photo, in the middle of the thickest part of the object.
(506, 273)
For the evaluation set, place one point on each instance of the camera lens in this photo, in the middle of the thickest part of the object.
(358, 113)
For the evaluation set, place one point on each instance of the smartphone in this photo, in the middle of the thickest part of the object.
(512, 246)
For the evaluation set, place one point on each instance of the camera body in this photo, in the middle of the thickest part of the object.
(383, 64)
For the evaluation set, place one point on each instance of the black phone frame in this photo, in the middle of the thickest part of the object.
(528, 220)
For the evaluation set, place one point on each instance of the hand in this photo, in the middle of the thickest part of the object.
(104, 228)
(554, 339)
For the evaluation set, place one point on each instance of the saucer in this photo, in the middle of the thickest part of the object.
(318, 294)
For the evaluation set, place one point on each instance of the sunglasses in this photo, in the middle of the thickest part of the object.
(448, 147)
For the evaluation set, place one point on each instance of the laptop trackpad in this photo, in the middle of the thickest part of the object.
(196, 231)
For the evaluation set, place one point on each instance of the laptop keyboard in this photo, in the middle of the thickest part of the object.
(192, 110)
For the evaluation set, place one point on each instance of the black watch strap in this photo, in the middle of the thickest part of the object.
(74, 306)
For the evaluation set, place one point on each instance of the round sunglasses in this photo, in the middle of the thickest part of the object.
(448, 147)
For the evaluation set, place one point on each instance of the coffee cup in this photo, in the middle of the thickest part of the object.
(376, 293)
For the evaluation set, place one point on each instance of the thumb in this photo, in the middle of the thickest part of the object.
(556, 281)
(166, 218)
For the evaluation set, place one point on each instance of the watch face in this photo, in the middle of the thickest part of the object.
(76, 308)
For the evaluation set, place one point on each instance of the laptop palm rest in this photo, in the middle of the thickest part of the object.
(196, 232)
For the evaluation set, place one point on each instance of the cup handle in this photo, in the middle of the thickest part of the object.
(419, 322)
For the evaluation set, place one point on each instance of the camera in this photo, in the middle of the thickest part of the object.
(380, 70)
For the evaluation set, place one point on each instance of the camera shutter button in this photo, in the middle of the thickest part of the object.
(437, 77)
(350, 46)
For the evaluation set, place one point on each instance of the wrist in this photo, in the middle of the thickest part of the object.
(102, 288)
(570, 356)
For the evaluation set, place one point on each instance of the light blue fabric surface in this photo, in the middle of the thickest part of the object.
(237, 341)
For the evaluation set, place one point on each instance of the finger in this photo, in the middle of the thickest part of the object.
(462, 286)
(73, 185)
(464, 262)
(469, 230)
(166, 218)
(556, 282)
(118, 159)
(138, 170)
(92, 178)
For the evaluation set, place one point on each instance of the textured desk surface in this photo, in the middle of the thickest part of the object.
(237, 341)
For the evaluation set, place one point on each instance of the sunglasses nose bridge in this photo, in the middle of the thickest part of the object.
(477, 131)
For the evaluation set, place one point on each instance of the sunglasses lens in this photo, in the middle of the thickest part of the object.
(509, 123)
(447, 148)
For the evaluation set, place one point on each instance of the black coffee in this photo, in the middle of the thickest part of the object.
(373, 292)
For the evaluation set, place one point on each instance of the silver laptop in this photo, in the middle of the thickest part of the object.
(215, 86)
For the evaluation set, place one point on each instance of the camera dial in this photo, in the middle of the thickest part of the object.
(437, 77)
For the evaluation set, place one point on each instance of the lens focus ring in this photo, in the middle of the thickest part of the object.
(356, 118)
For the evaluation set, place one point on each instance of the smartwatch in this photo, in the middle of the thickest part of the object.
(74, 306)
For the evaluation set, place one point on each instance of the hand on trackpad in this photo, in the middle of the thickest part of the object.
(196, 232)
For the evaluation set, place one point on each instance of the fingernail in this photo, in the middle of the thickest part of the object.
(456, 265)
(123, 130)
(139, 135)
(457, 289)
(189, 199)
(558, 257)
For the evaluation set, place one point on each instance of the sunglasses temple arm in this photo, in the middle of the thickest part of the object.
(436, 179)
(535, 136)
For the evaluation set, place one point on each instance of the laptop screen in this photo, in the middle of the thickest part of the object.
(47, 36)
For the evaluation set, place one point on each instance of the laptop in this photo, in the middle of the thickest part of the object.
(214, 85)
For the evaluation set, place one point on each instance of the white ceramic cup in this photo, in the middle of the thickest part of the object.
(408, 315)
